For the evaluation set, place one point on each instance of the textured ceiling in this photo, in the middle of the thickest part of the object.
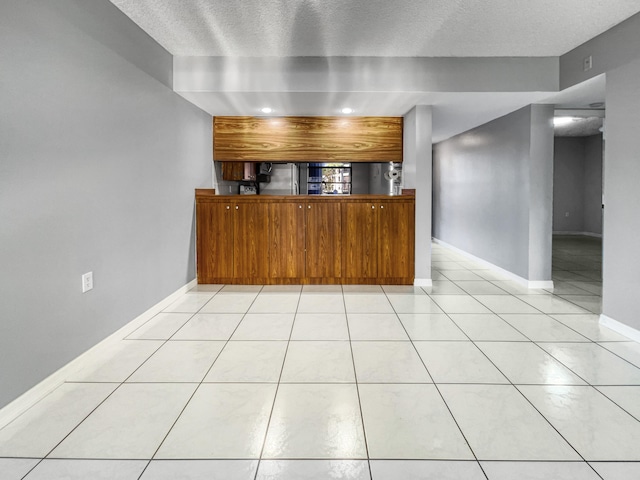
(405, 28)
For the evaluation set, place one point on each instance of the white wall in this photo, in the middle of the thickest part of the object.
(99, 161)
(492, 192)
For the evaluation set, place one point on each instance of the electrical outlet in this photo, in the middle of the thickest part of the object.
(587, 63)
(87, 282)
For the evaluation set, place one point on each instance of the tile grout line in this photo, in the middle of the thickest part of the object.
(436, 386)
(120, 384)
(275, 395)
(514, 386)
(520, 392)
(614, 353)
(355, 376)
(637, 418)
(588, 384)
(199, 384)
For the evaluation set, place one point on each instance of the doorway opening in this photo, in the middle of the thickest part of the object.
(578, 206)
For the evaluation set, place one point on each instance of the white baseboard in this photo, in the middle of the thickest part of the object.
(620, 328)
(57, 378)
(531, 284)
(422, 282)
(585, 234)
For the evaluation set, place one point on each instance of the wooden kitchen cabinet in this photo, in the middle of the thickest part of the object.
(366, 239)
(250, 242)
(231, 240)
(323, 235)
(396, 240)
(378, 241)
(233, 171)
(287, 239)
(307, 139)
(214, 236)
(360, 239)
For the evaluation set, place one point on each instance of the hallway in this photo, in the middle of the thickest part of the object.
(577, 270)
(473, 378)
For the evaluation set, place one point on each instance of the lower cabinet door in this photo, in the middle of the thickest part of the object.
(360, 240)
(250, 241)
(323, 240)
(214, 241)
(286, 240)
(396, 239)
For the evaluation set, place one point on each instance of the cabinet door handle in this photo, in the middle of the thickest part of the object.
(299, 206)
(237, 207)
(228, 207)
(309, 207)
(373, 206)
(381, 206)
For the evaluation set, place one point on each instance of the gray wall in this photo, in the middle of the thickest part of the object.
(490, 187)
(614, 48)
(577, 184)
(621, 256)
(616, 52)
(540, 192)
(99, 159)
(568, 184)
(594, 150)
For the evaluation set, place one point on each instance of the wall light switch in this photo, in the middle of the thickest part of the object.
(87, 282)
(566, 214)
(587, 63)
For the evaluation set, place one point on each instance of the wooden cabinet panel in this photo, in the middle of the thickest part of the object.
(250, 240)
(267, 240)
(233, 171)
(360, 240)
(396, 239)
(286, 238)
(323, 240)
(304, 139)
(215, 241)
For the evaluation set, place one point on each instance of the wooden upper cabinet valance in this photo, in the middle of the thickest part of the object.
(307, 139)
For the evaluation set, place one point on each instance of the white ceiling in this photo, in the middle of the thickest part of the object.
(381, 28)
(405, 28)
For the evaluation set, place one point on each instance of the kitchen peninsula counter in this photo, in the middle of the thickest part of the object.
(305, 239)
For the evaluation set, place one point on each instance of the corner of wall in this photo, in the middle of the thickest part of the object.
(540, 192)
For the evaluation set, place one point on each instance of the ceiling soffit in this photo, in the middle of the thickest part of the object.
(399, 28)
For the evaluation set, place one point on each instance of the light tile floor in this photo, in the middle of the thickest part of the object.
(474, 378)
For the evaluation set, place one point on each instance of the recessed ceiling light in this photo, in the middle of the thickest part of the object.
(347, 110)
(560, 121)
(266, 110)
